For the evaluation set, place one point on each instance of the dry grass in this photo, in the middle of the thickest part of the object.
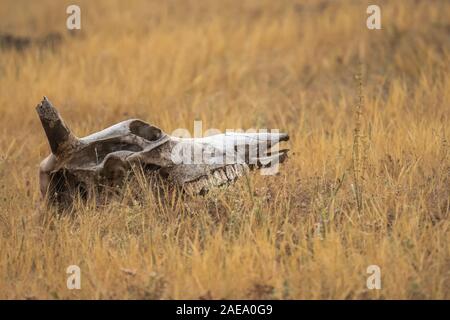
(344, 200)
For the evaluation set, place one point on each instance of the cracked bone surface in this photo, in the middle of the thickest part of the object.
(103, 160)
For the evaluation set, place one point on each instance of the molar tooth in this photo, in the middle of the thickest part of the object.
(238, 169)
(223, 175)
(196, 187)
(217, 177)
(229, 172)
(234, 170)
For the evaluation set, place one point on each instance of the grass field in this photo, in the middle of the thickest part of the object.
(367, 181)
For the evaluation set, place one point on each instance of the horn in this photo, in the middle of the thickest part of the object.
(60, 138)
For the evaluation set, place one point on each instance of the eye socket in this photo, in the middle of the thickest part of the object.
(145, 130)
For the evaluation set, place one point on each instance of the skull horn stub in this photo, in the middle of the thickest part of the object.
(59, 136)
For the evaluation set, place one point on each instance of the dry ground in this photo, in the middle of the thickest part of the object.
(344, 200)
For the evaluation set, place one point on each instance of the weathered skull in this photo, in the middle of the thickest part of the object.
(105, 159)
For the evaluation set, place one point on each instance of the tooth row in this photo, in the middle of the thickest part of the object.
(218, 177)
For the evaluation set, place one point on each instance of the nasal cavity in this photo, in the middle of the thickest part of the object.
(145, 130)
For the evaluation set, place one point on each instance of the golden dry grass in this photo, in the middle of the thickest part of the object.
(238, 64)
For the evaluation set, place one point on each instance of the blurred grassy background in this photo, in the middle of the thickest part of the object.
(236, 64)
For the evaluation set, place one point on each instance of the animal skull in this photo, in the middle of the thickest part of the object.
(104, 159)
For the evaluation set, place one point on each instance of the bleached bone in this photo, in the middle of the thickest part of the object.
(104, 159)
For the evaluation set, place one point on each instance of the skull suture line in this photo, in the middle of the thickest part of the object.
(103, 160)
